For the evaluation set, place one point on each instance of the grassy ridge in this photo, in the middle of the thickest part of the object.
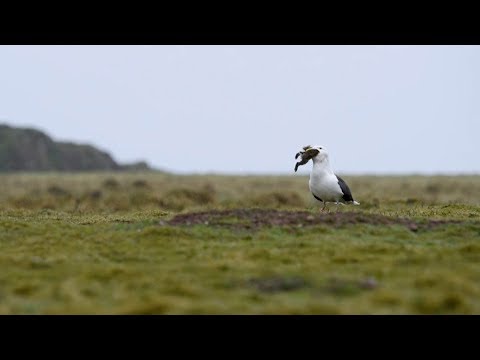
(139, 191)
(131, 243)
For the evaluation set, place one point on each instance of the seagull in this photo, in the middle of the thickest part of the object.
(324, 184)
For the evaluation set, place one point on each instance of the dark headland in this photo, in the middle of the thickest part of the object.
(26, 149)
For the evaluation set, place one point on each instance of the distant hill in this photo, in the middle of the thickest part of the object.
(24, 149)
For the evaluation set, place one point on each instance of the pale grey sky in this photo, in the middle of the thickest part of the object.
(248, 109)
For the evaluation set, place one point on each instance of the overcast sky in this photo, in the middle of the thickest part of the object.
(248, 109)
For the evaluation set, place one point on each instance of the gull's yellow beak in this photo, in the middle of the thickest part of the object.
(311, 152)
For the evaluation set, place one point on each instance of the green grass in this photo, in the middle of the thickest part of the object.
(103, 244)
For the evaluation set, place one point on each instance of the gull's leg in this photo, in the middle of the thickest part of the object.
(327, 209)
(339, 203)
(323, 208)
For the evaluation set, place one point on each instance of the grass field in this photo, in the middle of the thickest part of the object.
(148, 243)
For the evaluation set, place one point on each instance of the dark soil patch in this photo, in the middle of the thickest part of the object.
(95, 195)
(332, 286)
(277, 284)
(256, 218)
(111, 184)
(337, 286)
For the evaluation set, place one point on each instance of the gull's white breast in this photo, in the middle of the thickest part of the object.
(325, 186)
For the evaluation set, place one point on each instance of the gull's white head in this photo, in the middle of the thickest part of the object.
(316, 153)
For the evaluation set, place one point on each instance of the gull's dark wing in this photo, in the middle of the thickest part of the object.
(347, 194)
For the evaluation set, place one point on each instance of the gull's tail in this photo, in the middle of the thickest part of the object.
(356, 202)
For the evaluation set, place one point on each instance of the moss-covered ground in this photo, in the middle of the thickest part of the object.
(145, 243)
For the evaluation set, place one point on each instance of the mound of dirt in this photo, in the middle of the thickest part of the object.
(255, 218)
